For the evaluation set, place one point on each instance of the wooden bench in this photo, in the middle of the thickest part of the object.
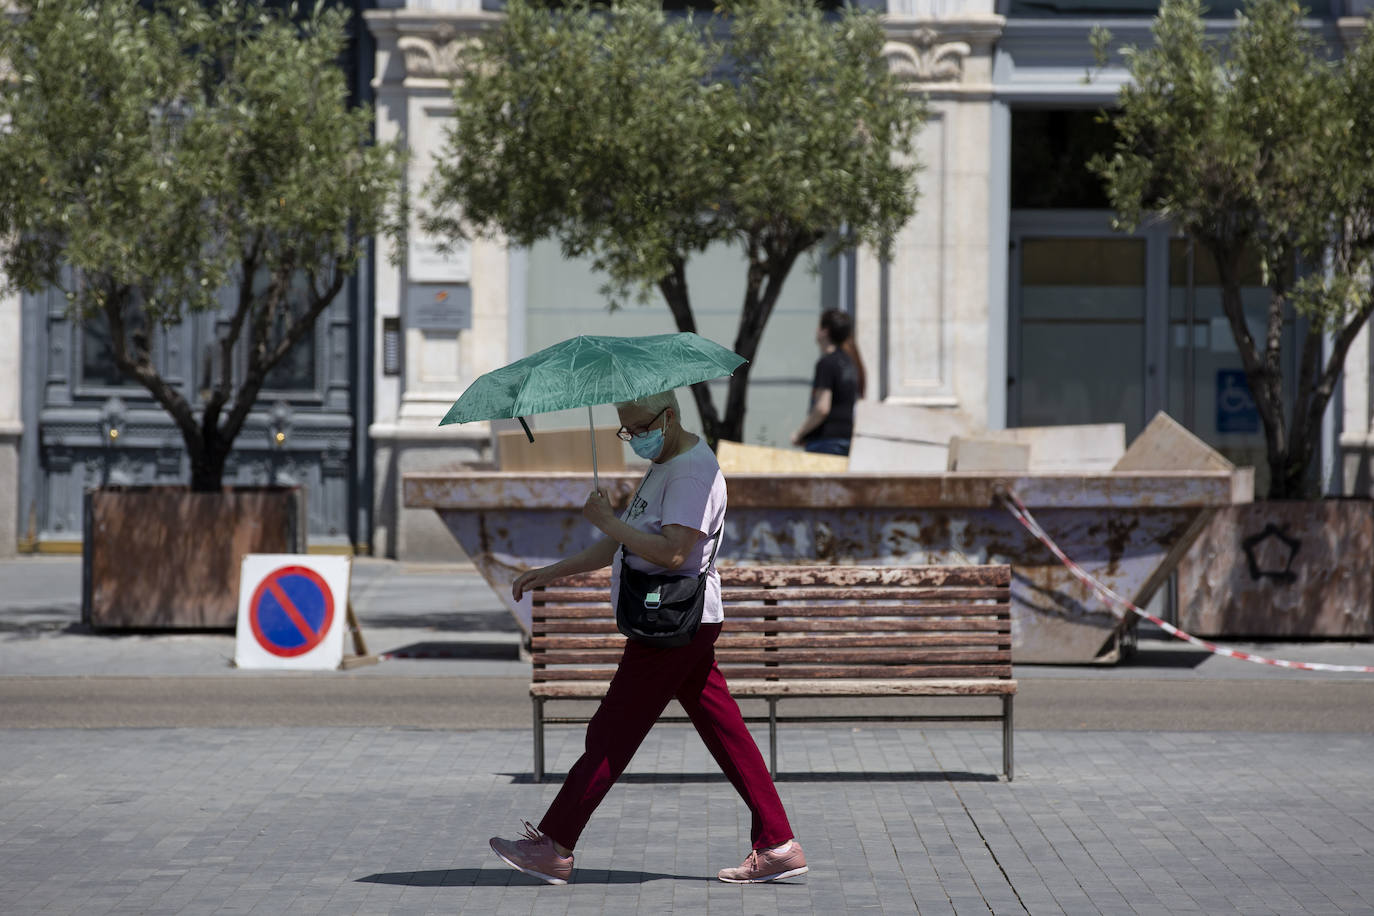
(805, 631)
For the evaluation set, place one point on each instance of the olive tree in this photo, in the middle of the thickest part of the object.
(637, 139)
(1260, 145)
(157, 163)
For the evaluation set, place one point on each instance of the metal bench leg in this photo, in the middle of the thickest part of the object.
(538, 739)
(773, 737)
(1007, 732)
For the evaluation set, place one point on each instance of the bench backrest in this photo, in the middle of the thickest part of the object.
(806, 622)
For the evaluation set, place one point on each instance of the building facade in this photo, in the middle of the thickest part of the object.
(1009, 300)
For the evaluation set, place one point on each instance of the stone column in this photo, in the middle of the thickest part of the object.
(11, 380)
(417, 56)
(1356, 441)
(925, 315)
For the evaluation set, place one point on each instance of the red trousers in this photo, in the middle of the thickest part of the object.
(645, 681)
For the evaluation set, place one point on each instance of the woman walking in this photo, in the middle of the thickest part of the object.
(670, 526)
(839, 382)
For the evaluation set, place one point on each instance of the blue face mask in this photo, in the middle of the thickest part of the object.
(648, 445)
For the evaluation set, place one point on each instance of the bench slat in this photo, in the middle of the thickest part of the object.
(791, 656)
(736, 611)
(804, 671)
(791, 642)
(730, 594)
(755, 688)
(734, 625)
(839, 575)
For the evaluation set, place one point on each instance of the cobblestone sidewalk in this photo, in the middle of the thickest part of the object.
(893, 821)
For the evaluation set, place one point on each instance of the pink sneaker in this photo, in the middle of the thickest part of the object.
(534, 855)
(786, 861)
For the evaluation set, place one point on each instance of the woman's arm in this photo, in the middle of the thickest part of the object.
(668, 549)
(820, 409)
(596, 556)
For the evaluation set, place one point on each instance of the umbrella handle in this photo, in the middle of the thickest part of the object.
(596, 477)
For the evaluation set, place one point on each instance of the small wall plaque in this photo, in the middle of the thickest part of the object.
(439, 307)
(429, 263)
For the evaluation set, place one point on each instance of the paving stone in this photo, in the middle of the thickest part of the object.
(376, 820)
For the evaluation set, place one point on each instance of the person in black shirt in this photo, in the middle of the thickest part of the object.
(839, 382)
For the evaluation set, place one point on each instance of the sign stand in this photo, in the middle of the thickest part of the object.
(360, 656)
(294, 611)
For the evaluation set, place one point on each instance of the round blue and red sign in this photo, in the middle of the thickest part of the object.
(291, 611)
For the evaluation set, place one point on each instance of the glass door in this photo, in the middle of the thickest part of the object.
(1080, 340)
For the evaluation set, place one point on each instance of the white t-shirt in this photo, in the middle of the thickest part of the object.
(687, 490)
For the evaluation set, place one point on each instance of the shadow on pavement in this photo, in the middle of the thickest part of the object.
(449, 650)
(1164, 658)
(504, 877)
(454, 621)
(841, 776)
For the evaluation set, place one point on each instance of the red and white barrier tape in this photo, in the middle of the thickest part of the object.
(1119, 605)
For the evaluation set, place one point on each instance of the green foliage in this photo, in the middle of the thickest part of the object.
(1259, 145)
(636, 139)
(154, 158)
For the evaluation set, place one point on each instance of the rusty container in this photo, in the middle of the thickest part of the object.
(1282, 568)
(165, 558)
(1128, 528)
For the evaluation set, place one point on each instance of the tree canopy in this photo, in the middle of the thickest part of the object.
(159, 163)
(637, 138)
(1260, 146)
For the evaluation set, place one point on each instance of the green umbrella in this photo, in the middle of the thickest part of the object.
(585, 371)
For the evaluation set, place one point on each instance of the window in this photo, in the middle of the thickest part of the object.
(98, 369)
(1145, 9)
(1050, 150)
(296, 371)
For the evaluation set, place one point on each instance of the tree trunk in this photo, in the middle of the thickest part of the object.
(207, 467)
(770, 262)
(674, 290)
(1262, 369)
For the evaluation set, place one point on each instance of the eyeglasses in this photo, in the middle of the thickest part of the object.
(627, 434)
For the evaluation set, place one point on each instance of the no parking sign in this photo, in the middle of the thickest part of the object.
(292, 611)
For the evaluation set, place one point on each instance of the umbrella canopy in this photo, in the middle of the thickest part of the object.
(585, 371)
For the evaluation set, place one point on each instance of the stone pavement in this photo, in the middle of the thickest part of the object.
(893, 821)
(372, 819)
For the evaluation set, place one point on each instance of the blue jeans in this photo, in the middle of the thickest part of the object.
(828, 446)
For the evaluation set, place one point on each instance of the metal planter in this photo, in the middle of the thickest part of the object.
(1282, 568)
(165, 558)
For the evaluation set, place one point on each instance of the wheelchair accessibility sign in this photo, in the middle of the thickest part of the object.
(291, 611)
(1236, 410)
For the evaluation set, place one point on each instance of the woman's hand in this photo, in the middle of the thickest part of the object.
(597, 509)
(797, 438)
(532, 579)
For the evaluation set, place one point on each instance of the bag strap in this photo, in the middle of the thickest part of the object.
(712, 562)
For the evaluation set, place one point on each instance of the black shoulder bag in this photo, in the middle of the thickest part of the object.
(660, 609)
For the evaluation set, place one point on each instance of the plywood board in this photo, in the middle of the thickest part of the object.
(987, 455)
(560, 450)
(740, 458)
(1166, 445)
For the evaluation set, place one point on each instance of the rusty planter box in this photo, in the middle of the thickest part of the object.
(1282, 569)
(1127, 528)
(164, 558)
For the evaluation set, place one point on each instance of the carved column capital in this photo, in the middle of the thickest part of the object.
(924, 58)
(434, 55)
(934, 53)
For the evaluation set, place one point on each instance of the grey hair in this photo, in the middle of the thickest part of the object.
(654, 403)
